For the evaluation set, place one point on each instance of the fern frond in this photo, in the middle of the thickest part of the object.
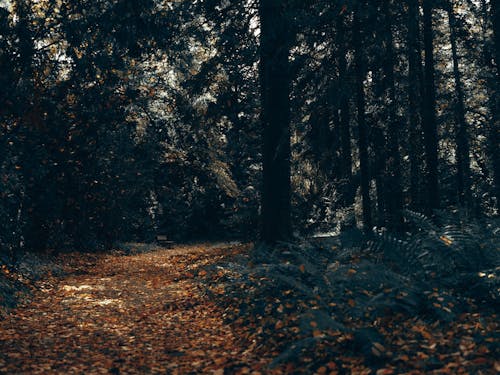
(420, 220)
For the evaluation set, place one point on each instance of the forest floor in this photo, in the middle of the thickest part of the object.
(145, 313)
(166, 311)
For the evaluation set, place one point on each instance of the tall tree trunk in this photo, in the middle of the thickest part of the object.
(377, 167)
(344, 94)
(275, 117)
(362, 128)
(378, 130)
(393, 189)
(495, 124)
(462, 136)
(429, 112)
(34, 231)
(415, 97)
(495, 18)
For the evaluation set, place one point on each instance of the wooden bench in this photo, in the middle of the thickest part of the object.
(162, 240)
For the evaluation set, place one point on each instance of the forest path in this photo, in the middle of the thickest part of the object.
(144, 313)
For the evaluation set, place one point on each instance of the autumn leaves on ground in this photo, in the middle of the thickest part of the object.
(186, 310)
(124, 314)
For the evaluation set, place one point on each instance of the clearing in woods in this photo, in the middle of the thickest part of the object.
(144, 313)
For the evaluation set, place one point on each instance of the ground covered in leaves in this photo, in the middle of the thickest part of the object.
(118, 313)
(235, 309)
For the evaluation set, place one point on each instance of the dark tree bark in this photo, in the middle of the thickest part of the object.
(377, 166)
(29, 131)
(393, 189)
(359, 66)
(495, 18)
(275, 117)
(415, 96)
(462, 136)
(429, 112)
(344, 95)
(378, 131)
(495, 123)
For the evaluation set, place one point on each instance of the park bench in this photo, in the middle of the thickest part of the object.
(163, 240)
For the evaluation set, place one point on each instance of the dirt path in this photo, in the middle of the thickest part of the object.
(145, 313)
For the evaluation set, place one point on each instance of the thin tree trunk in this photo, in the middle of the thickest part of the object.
(393, 190)
(429, 112)
(362, 128)
(495, 17)
(495, 125)
(378, 136)
(344, 115)
(462, 136)
(34, 233)
(275, 117)
(415, 88)
(378, 167)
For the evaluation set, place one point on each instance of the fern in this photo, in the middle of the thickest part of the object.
(435, 251)
(422, 222)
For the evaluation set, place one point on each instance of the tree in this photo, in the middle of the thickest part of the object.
(275, 116)
(344, 110)
(495, 125)
(359, 66)
(462, 136)
(393, 190)
(429, 111)
(415, 97)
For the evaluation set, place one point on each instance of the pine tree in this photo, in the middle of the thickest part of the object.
(462, 136)
(359, 62)
(275, 115)
(429, 111)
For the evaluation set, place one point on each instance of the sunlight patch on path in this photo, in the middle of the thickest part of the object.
(77, 288)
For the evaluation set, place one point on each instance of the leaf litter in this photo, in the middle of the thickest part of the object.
(146, 313)
(216, 310)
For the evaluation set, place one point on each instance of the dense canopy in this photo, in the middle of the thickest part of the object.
(123, 119)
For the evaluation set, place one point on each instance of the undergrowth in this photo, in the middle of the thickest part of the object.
(334, 295)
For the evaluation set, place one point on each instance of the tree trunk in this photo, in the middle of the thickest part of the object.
(429, 112)
(362, 128)
(393, 190)
(462, 136)
(495, 124)
(415, 88)
(275, 117)
(378, 168)
(29, 130)
(344, 94)
(378, 130)
(495, 17)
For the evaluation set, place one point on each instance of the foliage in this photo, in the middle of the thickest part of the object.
(121, 120)
(326, 303)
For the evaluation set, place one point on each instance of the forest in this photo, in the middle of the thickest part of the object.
(249, 187)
